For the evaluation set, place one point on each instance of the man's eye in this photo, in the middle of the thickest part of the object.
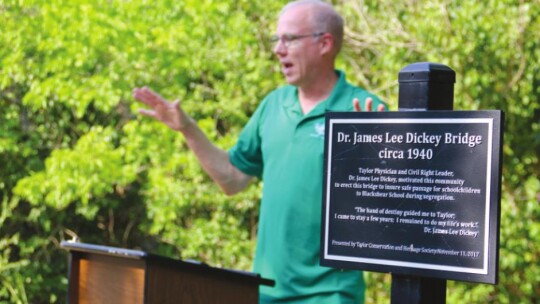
(289, 38)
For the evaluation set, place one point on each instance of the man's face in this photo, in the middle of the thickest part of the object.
(297, 48)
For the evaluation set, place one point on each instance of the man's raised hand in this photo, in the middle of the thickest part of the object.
(169, 113)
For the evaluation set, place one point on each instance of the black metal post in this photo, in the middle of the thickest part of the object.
(423, 86)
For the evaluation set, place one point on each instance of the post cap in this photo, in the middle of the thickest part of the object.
(427, 72)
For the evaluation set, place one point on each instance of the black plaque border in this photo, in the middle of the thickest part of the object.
(491, 247)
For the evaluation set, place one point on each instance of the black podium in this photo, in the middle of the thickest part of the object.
(101, 274)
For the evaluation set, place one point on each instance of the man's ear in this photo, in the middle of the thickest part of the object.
(327, 43)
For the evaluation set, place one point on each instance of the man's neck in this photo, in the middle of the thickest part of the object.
(317, 91)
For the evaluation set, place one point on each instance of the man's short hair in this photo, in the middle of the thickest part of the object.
(324, 19)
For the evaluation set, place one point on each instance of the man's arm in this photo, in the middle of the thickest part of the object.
(215, 161)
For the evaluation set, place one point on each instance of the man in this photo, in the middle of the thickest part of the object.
(283, 144)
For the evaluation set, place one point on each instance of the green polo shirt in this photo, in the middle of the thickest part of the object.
(285, 148)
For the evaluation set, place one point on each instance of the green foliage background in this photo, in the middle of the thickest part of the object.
(75, 159)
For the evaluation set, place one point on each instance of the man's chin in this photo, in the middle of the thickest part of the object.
(291, 80)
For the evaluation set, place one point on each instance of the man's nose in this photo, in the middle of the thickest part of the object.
(280, 48)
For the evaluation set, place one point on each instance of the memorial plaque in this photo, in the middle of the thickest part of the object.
(415, 193)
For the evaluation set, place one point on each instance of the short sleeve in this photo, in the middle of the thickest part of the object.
(246, 154)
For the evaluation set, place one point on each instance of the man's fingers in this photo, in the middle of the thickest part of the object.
(149, 113)
(356, 105)
(140, 94)
(369, 104)
(380, 108)
(148, 97)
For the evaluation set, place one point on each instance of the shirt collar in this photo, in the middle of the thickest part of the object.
(338, 99)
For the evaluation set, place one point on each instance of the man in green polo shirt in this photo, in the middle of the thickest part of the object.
(283, 145)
